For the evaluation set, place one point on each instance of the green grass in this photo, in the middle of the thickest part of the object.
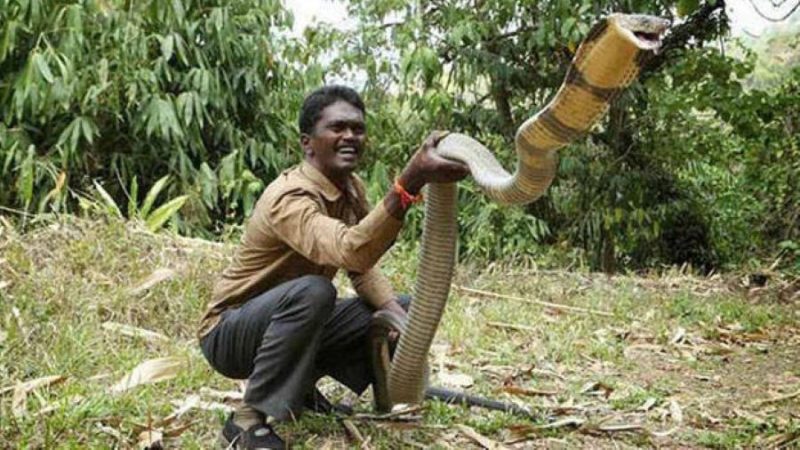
(64, 279)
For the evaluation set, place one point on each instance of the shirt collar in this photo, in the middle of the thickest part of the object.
(328, 189)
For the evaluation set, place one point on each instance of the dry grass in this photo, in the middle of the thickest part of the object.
(680, 362)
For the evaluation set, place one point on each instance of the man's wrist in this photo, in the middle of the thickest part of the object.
(411, 184)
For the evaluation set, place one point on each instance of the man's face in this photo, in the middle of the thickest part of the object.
(335, 145)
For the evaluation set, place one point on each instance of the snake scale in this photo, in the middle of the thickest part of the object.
(605, 63)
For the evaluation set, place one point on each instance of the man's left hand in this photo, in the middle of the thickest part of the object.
(394, 307)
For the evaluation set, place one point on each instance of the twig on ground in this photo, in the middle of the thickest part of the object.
(779, 399)
(186, 241)
(535, 302)
(132, 331)
(394, 415)
(565, 422)
(353, 432)
(517, 390)
(511, 326)
(613, 428)
(16, 211)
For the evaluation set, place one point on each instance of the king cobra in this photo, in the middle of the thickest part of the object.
(606, 62)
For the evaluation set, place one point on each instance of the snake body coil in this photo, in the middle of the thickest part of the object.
(604, 64)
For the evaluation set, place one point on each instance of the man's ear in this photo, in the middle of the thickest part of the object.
(305, 144)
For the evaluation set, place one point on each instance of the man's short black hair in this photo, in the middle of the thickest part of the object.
(323, 97)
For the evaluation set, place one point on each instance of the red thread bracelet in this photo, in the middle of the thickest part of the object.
(406, 199)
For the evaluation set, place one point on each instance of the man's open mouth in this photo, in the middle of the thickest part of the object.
(347, 151)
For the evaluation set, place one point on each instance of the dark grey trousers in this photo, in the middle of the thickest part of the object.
(285, 339)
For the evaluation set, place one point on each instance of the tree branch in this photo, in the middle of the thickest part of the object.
(703, 25)
(773, 19)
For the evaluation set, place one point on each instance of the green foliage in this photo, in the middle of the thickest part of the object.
(108, 91)
(668, 178)
(102, 100)
(101, 202)
(686, 7)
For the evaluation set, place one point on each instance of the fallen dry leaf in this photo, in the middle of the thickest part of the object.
(73, 400)
(329, 445)
(99, 376)
(151, 440)
(597, 388)
(225, 396)
(647, 405)
(111, 432)
(205, 406)
(178, 430)
(675, 411)
(132, 331)
(158, 276)
(570, 421)
(481, 440)
(678, 336)
(187, 405)
(21, 391)
(150, 371)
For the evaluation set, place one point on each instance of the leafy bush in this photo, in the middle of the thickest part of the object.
(104, 99)
(205, 91)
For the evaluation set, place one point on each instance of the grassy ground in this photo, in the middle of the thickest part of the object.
(679, 362)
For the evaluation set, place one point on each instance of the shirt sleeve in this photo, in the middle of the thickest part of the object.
(298, 219)
(372, 286)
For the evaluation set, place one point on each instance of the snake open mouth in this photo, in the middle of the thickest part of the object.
(650, 38)
(646, 31)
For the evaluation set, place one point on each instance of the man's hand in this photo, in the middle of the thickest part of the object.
(394, 307)
(427, 167)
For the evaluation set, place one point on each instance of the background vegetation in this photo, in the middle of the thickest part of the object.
(177, 113)
(101, 100)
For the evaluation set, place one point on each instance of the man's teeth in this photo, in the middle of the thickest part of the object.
(348, 150)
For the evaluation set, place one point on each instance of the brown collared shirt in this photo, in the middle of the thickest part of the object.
(304, 225)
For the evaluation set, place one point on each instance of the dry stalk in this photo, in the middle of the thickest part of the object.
(534, 302)
(779, 398)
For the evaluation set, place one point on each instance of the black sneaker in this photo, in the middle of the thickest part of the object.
(317, 403)
(256, 437)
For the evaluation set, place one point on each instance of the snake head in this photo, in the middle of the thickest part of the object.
(643, 30)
